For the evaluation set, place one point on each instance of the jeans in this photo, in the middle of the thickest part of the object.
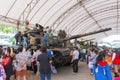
(83, 57)
(75, 65)
(43, 75)
(24, 43)
(46, 42)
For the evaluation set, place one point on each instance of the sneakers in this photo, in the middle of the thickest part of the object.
(91, 73)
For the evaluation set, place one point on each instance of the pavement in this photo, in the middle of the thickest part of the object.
(65, 73)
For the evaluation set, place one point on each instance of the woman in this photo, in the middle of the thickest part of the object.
(29, 62)
(101, 69)
(116, 61)
(7, 61)
(21, 62)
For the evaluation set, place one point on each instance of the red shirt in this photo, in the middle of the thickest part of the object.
(117, 59)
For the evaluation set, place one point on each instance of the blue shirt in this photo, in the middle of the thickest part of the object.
(49, 52)
(84, 51)
(46, 36)
(102, 72)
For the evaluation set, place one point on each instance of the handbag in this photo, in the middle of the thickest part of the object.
(53, 69)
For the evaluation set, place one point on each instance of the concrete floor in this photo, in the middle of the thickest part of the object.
(65, 73)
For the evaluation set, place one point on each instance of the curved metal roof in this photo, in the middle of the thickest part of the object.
(73, 16)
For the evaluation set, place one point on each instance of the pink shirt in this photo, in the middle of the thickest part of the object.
(117, 78)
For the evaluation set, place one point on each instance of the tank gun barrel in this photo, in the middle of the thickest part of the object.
(87, 34)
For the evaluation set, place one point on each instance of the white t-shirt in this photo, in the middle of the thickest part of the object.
(21, 58)
(75, 54)
(29, 57)
(36, 54)
(113, 56)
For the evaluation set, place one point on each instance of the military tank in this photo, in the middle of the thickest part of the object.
(35, 35)
(58, 45)
(59, 41)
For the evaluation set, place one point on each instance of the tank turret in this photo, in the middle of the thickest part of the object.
(59, 42)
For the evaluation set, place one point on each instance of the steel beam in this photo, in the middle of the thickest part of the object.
(38, 10)
(104, 9)
(64, 15)
(26, 12)
(8, 20)
(106, 18)
(92, 24)
(80, 20)
(48, 11)
(57, 11)
(13, 21)
(61, 18)
(117, 24)
(24, 15)
(91, 16)
(11, 7)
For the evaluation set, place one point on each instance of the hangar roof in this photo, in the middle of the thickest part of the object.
(73, 16)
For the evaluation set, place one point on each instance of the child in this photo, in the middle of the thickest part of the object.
(92, 60)
(102, 69)
(118, 77)
(108, 59)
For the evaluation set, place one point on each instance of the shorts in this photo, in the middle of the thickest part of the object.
(23, 72)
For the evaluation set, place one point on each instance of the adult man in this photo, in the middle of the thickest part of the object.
(44, 61)
(83, 58)
(75, 59)
(18, 38)
(45, 38)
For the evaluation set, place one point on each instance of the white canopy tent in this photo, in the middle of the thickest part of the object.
(73, 16)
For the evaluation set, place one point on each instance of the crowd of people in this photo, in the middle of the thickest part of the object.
(102, 62)
(25, 39)
(39, 35)
(13, 65)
